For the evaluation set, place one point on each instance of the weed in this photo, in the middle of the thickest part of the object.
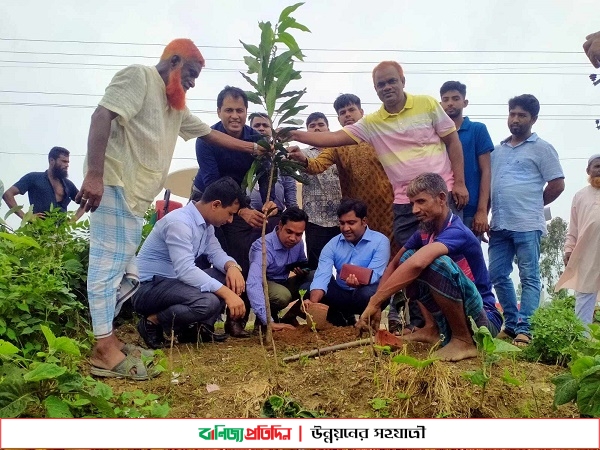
(285, 406)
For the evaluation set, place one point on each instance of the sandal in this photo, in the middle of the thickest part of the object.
(130, 349)
(522, 340)
(506, 334)
(123, 370)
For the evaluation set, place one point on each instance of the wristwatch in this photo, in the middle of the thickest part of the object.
(236, 265)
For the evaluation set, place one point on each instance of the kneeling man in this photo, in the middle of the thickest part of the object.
(360, 248)
(174, 293)
(285, 254)
(442, 267)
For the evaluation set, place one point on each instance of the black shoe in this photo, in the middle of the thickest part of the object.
(151, 333)
(236, 329)
(200, 332)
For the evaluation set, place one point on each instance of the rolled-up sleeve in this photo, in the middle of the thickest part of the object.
(177, 237)
(325, 268)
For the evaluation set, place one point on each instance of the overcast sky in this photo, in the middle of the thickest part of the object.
(498, 49)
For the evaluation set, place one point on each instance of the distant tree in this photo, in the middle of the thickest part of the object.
(551, 251)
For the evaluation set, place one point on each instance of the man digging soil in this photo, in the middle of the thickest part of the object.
(442, 267)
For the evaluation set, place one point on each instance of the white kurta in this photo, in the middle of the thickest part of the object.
(583, 240)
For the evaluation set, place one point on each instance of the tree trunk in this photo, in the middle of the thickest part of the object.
(263, 241)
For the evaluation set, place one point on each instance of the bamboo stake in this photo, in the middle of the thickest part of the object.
(332, 348)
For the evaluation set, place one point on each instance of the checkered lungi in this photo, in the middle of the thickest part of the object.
(445, 277)
(115, 234)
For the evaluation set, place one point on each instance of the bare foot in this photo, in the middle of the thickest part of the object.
(429, 334)
(107, 353)
(457, 350)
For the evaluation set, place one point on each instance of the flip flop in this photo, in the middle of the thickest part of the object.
(522, 340)
(130, 349)
(123, 370)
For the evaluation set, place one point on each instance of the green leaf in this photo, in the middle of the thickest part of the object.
(418, 363)
(588, 395)
(251, 81)
(292, 93)
(6, 348)
(509, 379)
(293, 122)
(276, 401)
(476, 377)
(288, 104)
(44, 371)
(102, 390)
(102, 405)
(48, 334)
(56, 408)
(160, 410)
(271, 98)
(402, 395)
(252, 64)
(20, 241)
(67, 345)
(580, 365)
(250, 179)
(252, 49)
(253, 97)
(70, 382)
(280, 64)
(15, 397)
(305, 414)
(566, 389)
(291, 112)
(291, 43)
(288, 10)
(298, 26)
(504, 347)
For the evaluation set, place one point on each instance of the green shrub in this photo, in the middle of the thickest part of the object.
(43, 272)
(557, 332)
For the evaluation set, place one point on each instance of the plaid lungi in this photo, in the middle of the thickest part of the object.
(115, 234)
(445, 277)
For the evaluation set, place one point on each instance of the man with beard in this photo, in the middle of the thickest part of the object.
(582, 245)
(521, 166)
(46, 189)
(217, 161)
(130, 146)
(442, 268)
(477, 146)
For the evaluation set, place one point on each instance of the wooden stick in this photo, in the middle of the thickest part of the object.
(329, 349)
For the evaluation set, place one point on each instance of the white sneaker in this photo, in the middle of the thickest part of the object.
(129, 286)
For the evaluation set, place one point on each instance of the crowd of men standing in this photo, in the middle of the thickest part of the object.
(416, 176)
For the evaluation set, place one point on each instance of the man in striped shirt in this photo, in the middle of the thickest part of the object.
(411, 135)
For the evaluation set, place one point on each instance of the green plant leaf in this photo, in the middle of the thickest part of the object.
(292, 93)
(6, 348)
(44, 371)
(292, 112)
(159, 410)
(509, 379)
(298, 26)
(581, 365)
(276, 402)
(414, 362)
(70, 382)
(253, 97)
(476, 377)
(20, 241)
(49, 335)
(56, 408)
(305, 414)
(504, 347)
(402, 395)
(251, 82)
(101, 390)
(290, 42)
(288, 104)
(252, 64)
(105, 409)
(67, 345)
(252, 49)
(379, 403)
(288, 10)
(250, 179)
(271, 98)
(15, 397)
(293, 122)
(566, 389)
(588, 395)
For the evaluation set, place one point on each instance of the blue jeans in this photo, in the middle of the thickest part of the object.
(504, 246)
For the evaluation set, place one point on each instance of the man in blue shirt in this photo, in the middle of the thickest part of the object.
(216, 162)
(174, 293)
(284, 249)
(477, 146)
(521, 166)
(46, 189)
(442, 268)
(357, 245)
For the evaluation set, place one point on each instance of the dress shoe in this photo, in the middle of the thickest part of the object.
(200, 332)
(151, 333)
(235, 328)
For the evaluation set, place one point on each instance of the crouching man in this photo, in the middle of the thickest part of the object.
(174, 293)
(285, 254)
(359, 256)
(442, 267)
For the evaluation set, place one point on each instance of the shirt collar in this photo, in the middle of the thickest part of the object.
(408, 105)
(274, 239)
(534, 137)
(465, 125)
(193, 211)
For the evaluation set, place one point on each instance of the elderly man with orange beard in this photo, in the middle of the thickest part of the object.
(582, 245)
(130, 146)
